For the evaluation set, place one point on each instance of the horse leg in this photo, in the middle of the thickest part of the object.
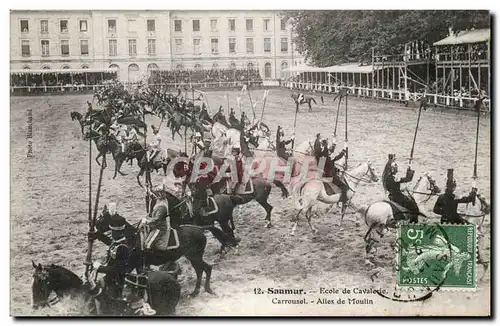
(208, 273)
(284, 191)
(296, 222)
(164, 166)
(97, 158)
(310, 106)
(141, 172)
(263, 202)
(198, 268)
(309, 217)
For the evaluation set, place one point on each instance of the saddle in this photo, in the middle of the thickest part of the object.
(160, 240)
(331, 189)
(242, 188)
(398, 212)
(211, 207)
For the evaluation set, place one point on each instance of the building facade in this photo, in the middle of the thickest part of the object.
(136, 42)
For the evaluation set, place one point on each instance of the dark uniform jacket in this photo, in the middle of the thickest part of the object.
(394, 187)
(447, 204)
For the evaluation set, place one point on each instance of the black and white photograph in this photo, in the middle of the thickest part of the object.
(195, 163)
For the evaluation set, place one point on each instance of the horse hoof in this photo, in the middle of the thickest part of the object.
(210, 291)
(194, 294)
(314, 231)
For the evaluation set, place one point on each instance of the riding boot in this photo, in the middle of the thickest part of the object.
(413, 218)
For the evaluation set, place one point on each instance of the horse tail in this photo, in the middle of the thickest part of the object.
(221, 236)
(363, 210)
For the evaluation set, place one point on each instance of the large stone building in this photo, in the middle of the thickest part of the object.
(138, 41)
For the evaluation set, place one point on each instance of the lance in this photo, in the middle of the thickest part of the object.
(415, 136)
(345, 142)
(266, 92)
(88, 258)
(337, 120)
(478, 108)
(251, 104)
(227, 97)
(294, 125)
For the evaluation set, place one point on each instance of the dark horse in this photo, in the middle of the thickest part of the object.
(164, 290)
(192, 243)
(78, 117)
(108, 143)
(305, 99)
(137, 151)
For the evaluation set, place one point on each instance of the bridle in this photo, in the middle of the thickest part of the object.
(431, 187)
(369, 170)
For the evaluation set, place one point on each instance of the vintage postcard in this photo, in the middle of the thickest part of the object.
(250, 163)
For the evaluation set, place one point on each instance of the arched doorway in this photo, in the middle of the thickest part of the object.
(133, 73)
(65, 67)
(197, 67)
(250, 66)
(151, 67)
(46, 68)
(284, 65)
(117, 68)
(179, 67)
(26, 68)
(267, 70)
(85, 67)
(232, 66)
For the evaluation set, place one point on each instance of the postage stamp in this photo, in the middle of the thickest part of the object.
(428, 257)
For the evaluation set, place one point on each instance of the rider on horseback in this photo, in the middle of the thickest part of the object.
(129, 139)
(317, 148)
(233, 121)
(394, 188)
(198, 143)
(239, 170)
(219, 117)
(280, 144)
(446, 204)
(155, 144)
(337, 180)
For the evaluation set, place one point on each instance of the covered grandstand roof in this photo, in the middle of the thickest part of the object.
(466, 37)
(347, 67)
(62, 71)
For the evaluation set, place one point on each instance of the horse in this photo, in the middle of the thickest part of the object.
(192, 243)
(305, 99)
(305, 195)
(379, 216)
(78, 117)
(105, 144)
(164, 290)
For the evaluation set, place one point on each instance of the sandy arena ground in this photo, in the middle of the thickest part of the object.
(49, 201)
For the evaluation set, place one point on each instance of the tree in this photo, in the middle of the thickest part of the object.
(331, 37)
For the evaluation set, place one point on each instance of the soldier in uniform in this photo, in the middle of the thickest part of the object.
(155, 144)
(317, 148)
(393, 186)
(281, 144)
(336, 178)
(198, 145)
(239, 169)
(122, 257)
(233, 121)
(243, 121)
(219, 117)
(447, 203)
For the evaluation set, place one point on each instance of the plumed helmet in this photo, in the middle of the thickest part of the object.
(117, 223)
(112, 208)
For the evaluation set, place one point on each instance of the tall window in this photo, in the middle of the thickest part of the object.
(196, 46)
(249, 45)
(45, 48)
(64, 47)
(196, 25)
(214, 45)
(64, 26)
(284, 44)
(267, 70)
(111, 25)
(113, 47)
(213, 25)
(44, 26)
(232, 45)
(178, 46)
(25, 48)
(151, 25)
(25, 28)
(232, 25)
(84, 47)
(131, 26)
(132, 47)
(178, 25)
(83, 26)
(283, 24)
(267, 44)
(267, 25)
(249, 24)
(284, 65)
(152, 46)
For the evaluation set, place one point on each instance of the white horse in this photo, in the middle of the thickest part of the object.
(305, 195)
(378, 216)
(224, 139)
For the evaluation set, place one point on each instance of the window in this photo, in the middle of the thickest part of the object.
(267, 25)
(45, 48)
(151, 46)
(44, 26)
(113, 47)
(214, 45)
(84, 47)
(64, 26)
(152, 67)
(196, 25)
(111, 25)
(267, 44)
(249, 25)
(232, 45)
(131, 26)
(151, 25)
(64, 47)
(213, 25)
(65, 67)
(132, 48)
(178, 25)
(83, 26)
(178, 46)
(284, 44)
(85, 67)
(232, 25)
(283, 24)
(25, 26)
(284, 65)
(196, 46)
(25, 48)
(46, 68)
(249, 45)
(267, 70)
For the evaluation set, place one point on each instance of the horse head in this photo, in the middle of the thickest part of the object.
(360, 172)
(41, 286)
(425, 187)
